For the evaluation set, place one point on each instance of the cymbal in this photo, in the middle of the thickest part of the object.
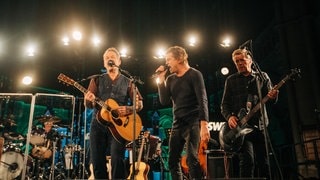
(13, 136)
(8, 122)
(48, 118)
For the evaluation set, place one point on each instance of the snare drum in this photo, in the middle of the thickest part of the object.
(37, 136)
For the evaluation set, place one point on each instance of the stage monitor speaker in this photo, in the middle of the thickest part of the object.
(217, 165)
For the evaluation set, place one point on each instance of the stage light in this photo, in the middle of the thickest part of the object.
(123, 52)
(66, 40)
(30, 50)
(27, 80)
(226, 42)
(96, 41)
(160, 53)
(224, 71)
(192, 41)
(77, 35)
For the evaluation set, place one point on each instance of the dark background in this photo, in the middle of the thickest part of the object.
(285, 35)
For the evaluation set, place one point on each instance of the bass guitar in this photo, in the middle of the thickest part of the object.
(231, 139)
(141, 169)
(120, 126)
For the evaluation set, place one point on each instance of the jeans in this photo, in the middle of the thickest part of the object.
(185, 135)
(252, 156)
(102, 143)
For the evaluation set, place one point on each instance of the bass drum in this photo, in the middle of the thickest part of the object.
(12, 164)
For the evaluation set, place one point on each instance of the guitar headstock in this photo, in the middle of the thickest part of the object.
(295, 74)
(65, 79)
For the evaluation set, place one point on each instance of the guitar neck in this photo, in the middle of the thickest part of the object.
(84, 90)
(140, 152)
(257, 107)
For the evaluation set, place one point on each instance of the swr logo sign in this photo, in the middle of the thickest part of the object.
(215, 126)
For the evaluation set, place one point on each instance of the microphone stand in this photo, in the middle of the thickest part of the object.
(259, 81)
(91, 77)
(134, 80)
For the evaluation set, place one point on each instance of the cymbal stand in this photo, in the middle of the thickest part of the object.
(51, 176)
(81, 172)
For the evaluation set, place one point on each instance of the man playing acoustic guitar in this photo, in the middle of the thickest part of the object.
(106, 127)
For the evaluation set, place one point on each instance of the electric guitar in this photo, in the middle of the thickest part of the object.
(141, 168)
(231, 139)
(120, 126)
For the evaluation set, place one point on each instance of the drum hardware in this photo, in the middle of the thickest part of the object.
(8, 121)
(74, 171)
(80, 171)
(16, 147)
(51, 176)
(68, 156)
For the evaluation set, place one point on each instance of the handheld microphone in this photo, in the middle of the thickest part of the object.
(166, 67)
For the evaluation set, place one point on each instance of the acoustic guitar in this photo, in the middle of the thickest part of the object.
(120, 126)
(141, 168)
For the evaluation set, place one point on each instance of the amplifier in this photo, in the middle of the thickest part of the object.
(219, 164)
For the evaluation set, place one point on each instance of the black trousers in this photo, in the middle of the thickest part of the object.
(102, 143)
(186, 135)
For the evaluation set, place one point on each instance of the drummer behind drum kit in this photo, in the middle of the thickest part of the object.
(42, 162)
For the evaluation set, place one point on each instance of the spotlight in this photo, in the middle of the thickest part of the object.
(123, 52)
(27, 80)
(30, 50)
(226, 42)
(96, 41)
(77, 35)
(66, 40)
(224, 71)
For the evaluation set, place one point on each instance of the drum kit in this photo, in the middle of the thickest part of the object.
(46, 159)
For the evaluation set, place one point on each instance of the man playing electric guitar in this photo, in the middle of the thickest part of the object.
(241, 92)
(116, 87)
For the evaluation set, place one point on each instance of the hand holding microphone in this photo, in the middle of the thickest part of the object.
(161, 69)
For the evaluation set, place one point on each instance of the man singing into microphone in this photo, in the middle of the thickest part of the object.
(186, 90)
(116, 86)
